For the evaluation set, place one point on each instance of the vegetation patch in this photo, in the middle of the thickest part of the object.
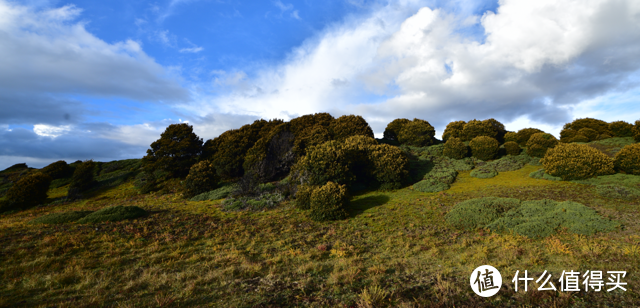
(216, 194)
(484, 172)
(430, 186)
(506, 164)
(262, 202)
(617, 192)
(60, 218)
(113, 213)
(541, 174)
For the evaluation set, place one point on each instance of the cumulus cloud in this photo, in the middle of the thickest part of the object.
(536, 63)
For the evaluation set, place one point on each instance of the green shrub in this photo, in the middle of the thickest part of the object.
(591, 134)
(628, 159)
(201, 179)
(261, 202)
(636, 131)
(621, 129)
(599, 126)
(484, 148)
(430, 186)
(272, 157)
(28, 191)
(390, 166)
(455, 148)
(580, 138)
(506, 164)
(329, 202)
(350, 125)
(113, 213)
(524, 134)
(618, 192)
(393, 129)
(511, 137)
(303, 196)
(324, 163)
(454, 130)
(567, 135)
(60, 218)
(478, 213)
(475, 128)
(603, 136)
(539, 143)
(541, 174)
(484, 172)
(216, 194)
(58, 170)
(417, 133)
(175, 152)
(576, 161)
(512, 148)
(83, 179)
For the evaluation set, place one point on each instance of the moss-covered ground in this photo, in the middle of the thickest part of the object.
(394, 250)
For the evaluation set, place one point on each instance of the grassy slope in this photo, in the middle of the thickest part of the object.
(394, 250)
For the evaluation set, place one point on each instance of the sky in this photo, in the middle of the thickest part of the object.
(102, 79)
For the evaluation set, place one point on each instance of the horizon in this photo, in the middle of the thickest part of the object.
(85, 80)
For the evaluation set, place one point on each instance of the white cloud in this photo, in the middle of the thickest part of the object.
(192, 49)
(50, 131)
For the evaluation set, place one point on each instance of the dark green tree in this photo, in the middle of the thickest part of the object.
(175, 152)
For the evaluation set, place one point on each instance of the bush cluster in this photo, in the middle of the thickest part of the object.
(329, 202)
(28, 191)
(455, 148)
(175, 152)
(202, 178)
(272, 156)
(621, 129)
(83, 179)
(476, 128)
(58, 170)
(539, 143)
(628, 159)
(576, 161)
(601, 127)
(393, 129)
(454, 130)
(484, 147)
(303, 196)
(350, 125)
(523, 135)
(512, 148)
(417, 133)
(591, 134)
(511, 137)
(113, 213)
(636, 131)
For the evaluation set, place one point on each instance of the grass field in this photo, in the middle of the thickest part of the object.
(395, 250)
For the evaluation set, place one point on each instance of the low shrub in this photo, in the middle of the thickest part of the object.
(417, 133)
(303, 196)
(58, 170)
(113, 213)
(261, 202)
(621, 129)
(539, 143)
(478, 213)
(617, 192)
(28, 191)
(604, 136)
(484, 148)
(628, 159)
(453, 130)
(430, 186)
(591, 134)
(202, 178)
(393, 129)
(512, 148)
(484, 172)
(455, 148)
(60, 218)
(576, 161)
(505, 164)
(329, 202)
(541, 174)
(216, 194)
(580, 138)
(83, 179)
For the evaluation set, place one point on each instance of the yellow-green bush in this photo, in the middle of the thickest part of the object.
(636, 131)
(628, 159)
(567, 135)
(598, 125)
(453, 130)
(58, 170)
(82, 179)
(539, 143)
(511, 136)
(323, 163)
(176, 151)
(393, 129)
(512, 148)
(310, 130)
(576, 162)
(621, 129)
(28, 191)
(303, 196)
(498, 127)
(524, 134)
(390, 166)
(272, 156)
(579, 138)
(329, 202)
(603, 136)
(202, 178)
(350, 125)
(592, 134)
(484, 147)
(455, 148)
(476, 128)
(417, 133)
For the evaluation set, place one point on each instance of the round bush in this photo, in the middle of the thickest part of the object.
(453, 130)
(393, 129)
(512, 148)
(201, 179)
(310, 130)
(28, 191)
(475, 128)
(524, 134)
(598, 125)
(592, 134)
(628, 159)
(579, 138)
(176, 151)
(498, 127)
(576, 162)
(350, 125)
(511, 136)
(455, 148)
(484, 172)
(390, 166)
(113, 213)
(329, 202)
(636, 131)
(539, 143)
(567, 135)
(323, 163)
(430, 186)
(303, 196)
(82, 179)
(621, 129)
(484, 148)
(417, 133)
(58, 170)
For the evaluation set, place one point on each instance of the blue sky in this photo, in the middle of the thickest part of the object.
(102, 79)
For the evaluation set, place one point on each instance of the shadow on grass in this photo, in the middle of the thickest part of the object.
(357, 207)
